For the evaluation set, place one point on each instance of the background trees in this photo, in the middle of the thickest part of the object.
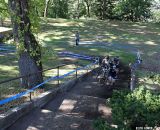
(133, 10)
(130, 10)
(104, 9)
(3, 10)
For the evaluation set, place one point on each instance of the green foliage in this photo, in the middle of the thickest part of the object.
(3, 10)
(133, 10)
(35, 11)
(140, 108)
(156, 16)
(101, 124)
(58, 9)
(104, 9)
(76, 9)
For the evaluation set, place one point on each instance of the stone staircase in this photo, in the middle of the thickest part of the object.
(76, 109)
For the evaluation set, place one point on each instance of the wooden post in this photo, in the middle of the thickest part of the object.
(76, 69)
(30, 96)
(58, 75)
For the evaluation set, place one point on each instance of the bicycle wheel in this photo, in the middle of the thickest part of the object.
(102, 81)
(98, 74)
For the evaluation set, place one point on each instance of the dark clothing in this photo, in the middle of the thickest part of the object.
(112, 73)
(77, 42)
(111, 65)
(77, 38)
(116, 61)
(117, 66)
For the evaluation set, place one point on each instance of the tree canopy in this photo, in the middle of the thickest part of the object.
(131, 10)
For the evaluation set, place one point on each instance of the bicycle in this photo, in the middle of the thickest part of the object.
(102, 75)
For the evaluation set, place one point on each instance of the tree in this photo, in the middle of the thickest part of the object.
(103, 9)
(76, 9)
(88, 5)
(58, 9)
(46, 8)
(29, 51)
(155, 9)
(133, 10)
(3, 11)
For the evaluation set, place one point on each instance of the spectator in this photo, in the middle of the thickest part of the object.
(77, 38)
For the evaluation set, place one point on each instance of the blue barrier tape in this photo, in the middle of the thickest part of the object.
(70, 53)
(4, 101)
(78, 55)
(81, 57)
(87, 58)
(4, 49)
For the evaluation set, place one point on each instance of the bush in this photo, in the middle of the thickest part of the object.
(100, 124)
(140, 108)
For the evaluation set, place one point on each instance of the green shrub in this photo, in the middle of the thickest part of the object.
(137, 109)
(100, 124)
(140, 108)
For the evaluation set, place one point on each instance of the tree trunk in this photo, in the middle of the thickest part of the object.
(46, 9)
(30, 53)
(88, 10)
(78, 9)
(104, 9)
(2, 24)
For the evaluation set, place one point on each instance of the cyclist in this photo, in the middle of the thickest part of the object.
(112, 75)
(106, 62)
(116, 63)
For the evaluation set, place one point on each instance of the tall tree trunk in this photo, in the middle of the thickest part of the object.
(46, 8)
(30, 54)
(2, 24)
(104, 9)
(87, 7)
(78, 9)
(88, 10)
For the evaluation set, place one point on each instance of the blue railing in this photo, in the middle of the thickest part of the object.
(19, 95)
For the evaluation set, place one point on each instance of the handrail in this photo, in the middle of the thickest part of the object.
(74, 55)
(8, 80)
(19, 95)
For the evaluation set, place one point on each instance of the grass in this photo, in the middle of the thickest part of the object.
(149, 80)
(58, 35)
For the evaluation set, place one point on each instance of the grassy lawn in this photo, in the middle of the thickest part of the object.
(58, 35)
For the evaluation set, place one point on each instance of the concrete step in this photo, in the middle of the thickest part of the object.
(67, 122)
(86, 107)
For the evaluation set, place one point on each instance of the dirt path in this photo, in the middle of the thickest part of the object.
(76, 109)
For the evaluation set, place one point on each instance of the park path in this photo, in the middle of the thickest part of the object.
(76, 109)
